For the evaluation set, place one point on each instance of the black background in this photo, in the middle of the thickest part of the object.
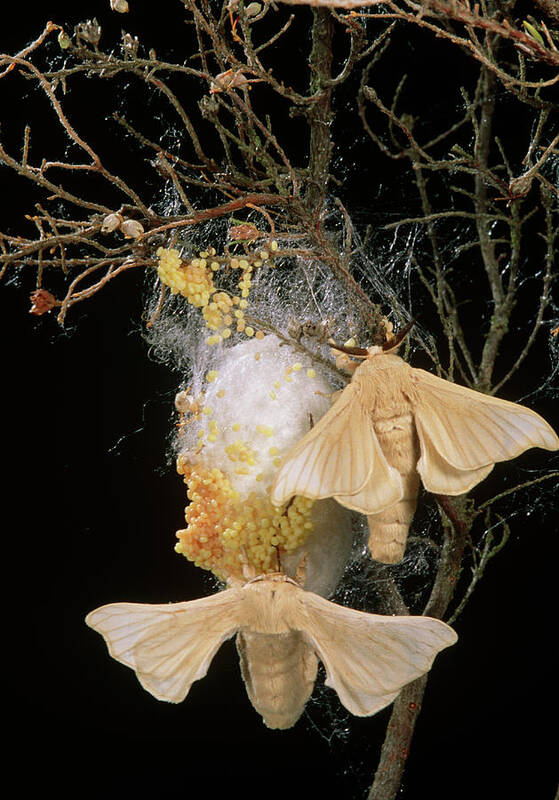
(92, 505)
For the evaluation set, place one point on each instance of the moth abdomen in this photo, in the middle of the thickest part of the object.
(279, 671)
(388, 530)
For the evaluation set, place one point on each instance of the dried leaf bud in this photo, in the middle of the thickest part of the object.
(64, 40)
(182, 402)
(90, 30)
(253, 9)
(518, 187)
(130, 44)
(185, 403)
(119, 5)
(132, 229)
(42, 301)
(230, 79)
(244, 232)
(111, 223)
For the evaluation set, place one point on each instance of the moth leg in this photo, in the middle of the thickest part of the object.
(278, 558)
(332, 396)
(346, 364)
(234, 583)
(301, 571)
(248, 569)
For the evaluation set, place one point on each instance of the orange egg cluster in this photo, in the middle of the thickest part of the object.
(226, 530)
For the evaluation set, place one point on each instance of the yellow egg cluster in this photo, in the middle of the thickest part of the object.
(218, 312)
(226, 530)
(243, 455)
(192, 280)
(246, 280)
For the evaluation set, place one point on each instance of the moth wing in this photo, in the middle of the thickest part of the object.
(340, 457)
(438, 476)
(369, 658)
(463, 433)
(169, 646)
(383, 488)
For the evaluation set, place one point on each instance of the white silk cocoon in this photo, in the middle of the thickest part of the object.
(262, 396)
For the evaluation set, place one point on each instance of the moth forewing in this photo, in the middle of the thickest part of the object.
(336, 457)
(468, 431)
(438, 476)
(169, 646)
(370, 658)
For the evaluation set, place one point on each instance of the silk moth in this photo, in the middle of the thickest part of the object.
(394, 424)
(282, 630)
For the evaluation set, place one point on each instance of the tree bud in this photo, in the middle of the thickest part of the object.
(119, 5)
(132, 229)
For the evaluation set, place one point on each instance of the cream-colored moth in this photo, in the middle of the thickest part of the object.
(282, 630)
(394, 424)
